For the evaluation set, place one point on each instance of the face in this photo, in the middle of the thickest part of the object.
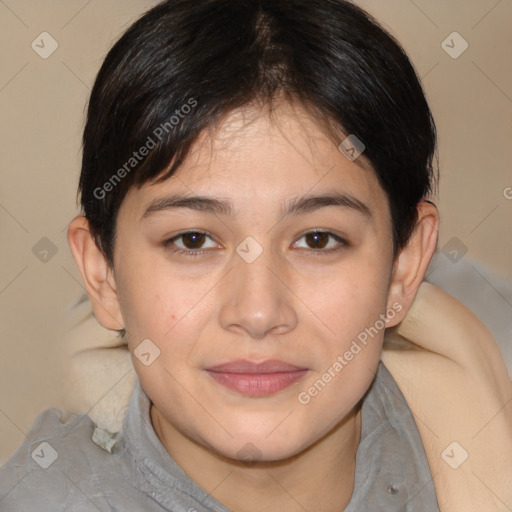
(260, 274)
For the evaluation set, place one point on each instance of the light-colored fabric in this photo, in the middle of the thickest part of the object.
(100, 375)
(392, 472)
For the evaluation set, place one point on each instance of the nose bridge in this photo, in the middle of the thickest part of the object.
(258, 284)
(252, 263)
(257, 301)
(257, 279)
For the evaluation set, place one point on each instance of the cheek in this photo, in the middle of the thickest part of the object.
(349, 356)
(348, 299)
(352, 306)
(152, 297)
(159, 304)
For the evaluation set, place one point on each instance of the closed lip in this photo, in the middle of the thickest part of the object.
(247, 367)
(256, 379)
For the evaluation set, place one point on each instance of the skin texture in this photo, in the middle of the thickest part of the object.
(296, 302)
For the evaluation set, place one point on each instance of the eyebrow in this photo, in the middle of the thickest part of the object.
(295, 206)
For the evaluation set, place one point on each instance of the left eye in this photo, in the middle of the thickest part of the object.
(320, 240)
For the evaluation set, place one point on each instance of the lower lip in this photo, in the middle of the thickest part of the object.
(257, 384)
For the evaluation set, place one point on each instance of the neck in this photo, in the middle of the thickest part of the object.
(320, 477)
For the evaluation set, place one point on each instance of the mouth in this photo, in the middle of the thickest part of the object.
(256, 379)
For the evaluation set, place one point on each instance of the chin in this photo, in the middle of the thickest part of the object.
(251, 449)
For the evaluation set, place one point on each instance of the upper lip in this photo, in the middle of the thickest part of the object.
(243, 366)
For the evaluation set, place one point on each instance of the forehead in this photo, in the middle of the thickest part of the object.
(256, 156)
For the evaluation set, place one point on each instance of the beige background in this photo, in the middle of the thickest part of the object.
(42, 103)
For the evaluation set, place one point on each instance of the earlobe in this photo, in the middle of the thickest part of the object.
(97, 275)
(412, 261)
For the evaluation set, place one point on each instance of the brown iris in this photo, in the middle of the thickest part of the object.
(193, 240)
(317, 240)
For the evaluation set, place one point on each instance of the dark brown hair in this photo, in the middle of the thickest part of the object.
(186, 63)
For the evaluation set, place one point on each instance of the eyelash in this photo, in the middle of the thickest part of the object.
(317, 252)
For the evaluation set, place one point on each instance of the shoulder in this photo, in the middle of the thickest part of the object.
(56, 466)
(451, 372)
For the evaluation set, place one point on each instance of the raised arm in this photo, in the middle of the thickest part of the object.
(451, 372)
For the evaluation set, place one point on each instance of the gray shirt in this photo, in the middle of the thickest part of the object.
(60, 468)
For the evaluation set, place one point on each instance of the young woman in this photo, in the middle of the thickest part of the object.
(255, 185)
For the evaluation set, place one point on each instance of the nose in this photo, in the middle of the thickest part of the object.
(258, 302)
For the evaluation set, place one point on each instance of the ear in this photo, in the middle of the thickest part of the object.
(412, 261)
(96, 273)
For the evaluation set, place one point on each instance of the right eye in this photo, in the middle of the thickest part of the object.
(189, 243)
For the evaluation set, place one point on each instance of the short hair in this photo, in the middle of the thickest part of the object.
(186, 64)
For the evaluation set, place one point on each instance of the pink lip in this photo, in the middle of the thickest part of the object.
(256, 379)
